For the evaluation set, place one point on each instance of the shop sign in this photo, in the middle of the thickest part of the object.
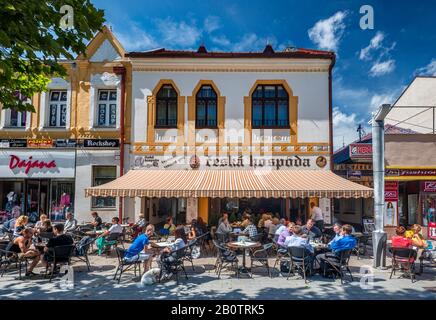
(65, 143)
(354, 173)
(410, 172)
(101, 143)
(230, 162)
(429, 186)
(40, 143)
(360, 150)
(37, 164)
(13, 143)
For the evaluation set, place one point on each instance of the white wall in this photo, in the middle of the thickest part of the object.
(310, 87)
(85, 160)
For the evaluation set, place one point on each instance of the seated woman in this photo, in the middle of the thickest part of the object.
(21, 246)
(20, 225)
(170, 226)
(401, 241)
(138, 226)
(42, 218)
(194, 232)
(167, 254)
(46, 226)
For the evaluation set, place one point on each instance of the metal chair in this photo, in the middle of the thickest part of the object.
(188, 253)
(82, 248)
(225, 257)
(60, 255)
(300, 260)
(124, 265)
(261, 256)
(172, 263)
(339, 263)
(403, 259)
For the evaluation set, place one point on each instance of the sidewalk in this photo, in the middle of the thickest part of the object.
(204, 284)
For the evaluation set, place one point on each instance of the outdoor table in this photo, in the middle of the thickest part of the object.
(244, 246)
(94, 233)
(162, 244)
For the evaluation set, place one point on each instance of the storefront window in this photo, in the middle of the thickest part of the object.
(429, 205)
(102, 175)
(62, 198)
(12, 198)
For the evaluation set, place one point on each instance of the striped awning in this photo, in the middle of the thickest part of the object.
(231, 183)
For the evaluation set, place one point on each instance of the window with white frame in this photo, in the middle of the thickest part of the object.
(15, 119)
(102, 175)
(57, 116)
(107, 108)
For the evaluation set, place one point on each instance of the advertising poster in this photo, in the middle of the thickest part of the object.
(325, 205)
(391, 203)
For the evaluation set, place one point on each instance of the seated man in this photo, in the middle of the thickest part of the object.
(115, 227)
(311, 230)
(337, 228)
(97, 223)
(140, 244)
(70, 223)
(8, 226)
(286, 232)
(60, 239)
(21, 246)
(299, 239)
(251, 229)
(345, 242)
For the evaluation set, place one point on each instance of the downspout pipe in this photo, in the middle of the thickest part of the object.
(331, 113)
(122, 72)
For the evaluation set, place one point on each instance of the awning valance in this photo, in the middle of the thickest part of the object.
(231, 183)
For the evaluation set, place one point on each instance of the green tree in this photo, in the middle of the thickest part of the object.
(33, 40)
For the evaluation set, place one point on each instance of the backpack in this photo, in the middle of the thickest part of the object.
(83, 245)
(284, 266)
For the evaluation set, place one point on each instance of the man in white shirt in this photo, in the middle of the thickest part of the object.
(316, 215)
(70, 223)
(115, 228)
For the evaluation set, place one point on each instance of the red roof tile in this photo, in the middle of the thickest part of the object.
(290, 53)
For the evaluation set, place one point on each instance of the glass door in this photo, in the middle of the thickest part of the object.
(32, 200)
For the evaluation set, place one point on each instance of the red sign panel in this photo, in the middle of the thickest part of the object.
(361, 150)
(432, 230)
(391, 190)
(429, 186)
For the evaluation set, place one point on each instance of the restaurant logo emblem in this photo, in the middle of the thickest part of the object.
(321, 161)
(194, 162)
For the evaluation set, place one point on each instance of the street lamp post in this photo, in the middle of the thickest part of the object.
(379, 235)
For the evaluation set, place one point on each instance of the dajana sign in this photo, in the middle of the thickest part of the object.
(17, 162)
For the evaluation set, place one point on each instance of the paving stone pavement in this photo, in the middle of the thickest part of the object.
(202, 283)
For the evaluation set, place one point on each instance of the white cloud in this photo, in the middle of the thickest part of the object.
(136, 39)
(344, 128)
(385, 98)
(382, 68)
(428, 70)
(221, 41)
(374, 44)
(326, 34)
(179, 34)
(211, 23)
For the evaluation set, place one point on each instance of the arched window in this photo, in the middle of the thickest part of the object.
(166, 107)
(206, 108)
(270, 107)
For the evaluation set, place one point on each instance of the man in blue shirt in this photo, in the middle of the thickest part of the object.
(337, 228)
(141, 243)
(345, 242)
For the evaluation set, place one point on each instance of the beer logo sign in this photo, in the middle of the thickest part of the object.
(321, 161)
(194, 162)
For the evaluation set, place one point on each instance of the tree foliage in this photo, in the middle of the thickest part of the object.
(33, 41)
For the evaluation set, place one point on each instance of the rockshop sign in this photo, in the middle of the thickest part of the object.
(37, 164)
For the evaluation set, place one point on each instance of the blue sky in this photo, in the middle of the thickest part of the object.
(373, 66)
